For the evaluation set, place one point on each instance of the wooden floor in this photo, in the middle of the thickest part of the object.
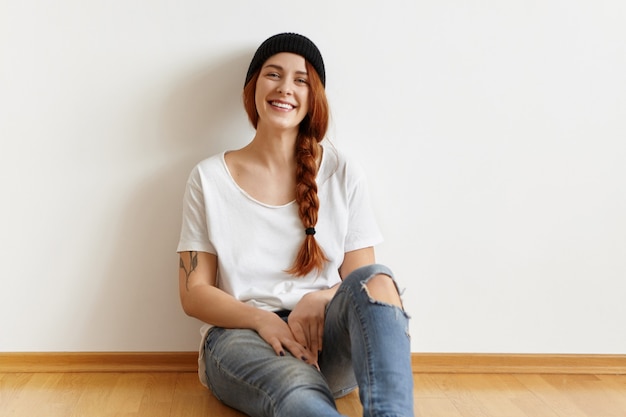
(436, 395)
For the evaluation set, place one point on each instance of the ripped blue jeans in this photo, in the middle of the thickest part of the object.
(366, 344)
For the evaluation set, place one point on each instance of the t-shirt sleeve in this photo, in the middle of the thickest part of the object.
(194, 235)
(363, 229)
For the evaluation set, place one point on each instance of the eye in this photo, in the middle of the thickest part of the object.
(302, 81)
(272, 75)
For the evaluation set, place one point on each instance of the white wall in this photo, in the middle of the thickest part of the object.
(493, 133)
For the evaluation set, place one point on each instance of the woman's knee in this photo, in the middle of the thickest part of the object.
(383, 288)
(378, 282)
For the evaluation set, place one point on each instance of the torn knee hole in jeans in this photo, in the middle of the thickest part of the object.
(374, 300)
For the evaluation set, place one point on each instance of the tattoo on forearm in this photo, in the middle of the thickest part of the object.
(193, 263)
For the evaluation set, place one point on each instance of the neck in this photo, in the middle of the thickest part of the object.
(274, 147)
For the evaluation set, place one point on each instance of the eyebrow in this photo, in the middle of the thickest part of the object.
(278, 67)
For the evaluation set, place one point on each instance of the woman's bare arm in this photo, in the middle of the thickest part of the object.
(200, 298)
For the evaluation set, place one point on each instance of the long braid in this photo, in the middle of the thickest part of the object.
(310, 255)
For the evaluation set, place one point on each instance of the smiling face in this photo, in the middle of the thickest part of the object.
(282, 92)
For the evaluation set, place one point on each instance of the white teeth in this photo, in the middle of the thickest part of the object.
(282, 105)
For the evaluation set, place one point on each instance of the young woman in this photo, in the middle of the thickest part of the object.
(277, 258)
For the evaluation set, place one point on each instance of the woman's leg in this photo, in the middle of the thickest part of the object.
(245, 373)
(366, 335)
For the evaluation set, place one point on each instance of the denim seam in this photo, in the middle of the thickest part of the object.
(366, 344)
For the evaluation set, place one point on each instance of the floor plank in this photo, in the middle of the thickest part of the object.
(158, 396)
(592, 395)
(436, 395)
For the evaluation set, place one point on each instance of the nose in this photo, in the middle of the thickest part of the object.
(284, 87)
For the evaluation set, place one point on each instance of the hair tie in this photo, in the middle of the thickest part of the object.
(309, 230)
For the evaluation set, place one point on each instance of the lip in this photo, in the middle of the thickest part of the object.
(281, 105)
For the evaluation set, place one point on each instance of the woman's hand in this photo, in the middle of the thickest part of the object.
(279, 336)
(306, 321)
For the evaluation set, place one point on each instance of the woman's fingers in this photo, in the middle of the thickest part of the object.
(299, 332)
(300, 352)
(317, 342)
(282, 340)
(277, 346)
(308, 333)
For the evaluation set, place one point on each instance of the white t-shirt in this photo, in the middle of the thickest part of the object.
(256, 242)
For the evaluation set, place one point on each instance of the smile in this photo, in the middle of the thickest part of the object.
(281, 105)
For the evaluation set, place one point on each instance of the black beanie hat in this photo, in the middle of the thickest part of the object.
(288, 42)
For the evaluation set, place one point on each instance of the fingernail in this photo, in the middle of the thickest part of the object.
(281, 353)
(303, 358)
